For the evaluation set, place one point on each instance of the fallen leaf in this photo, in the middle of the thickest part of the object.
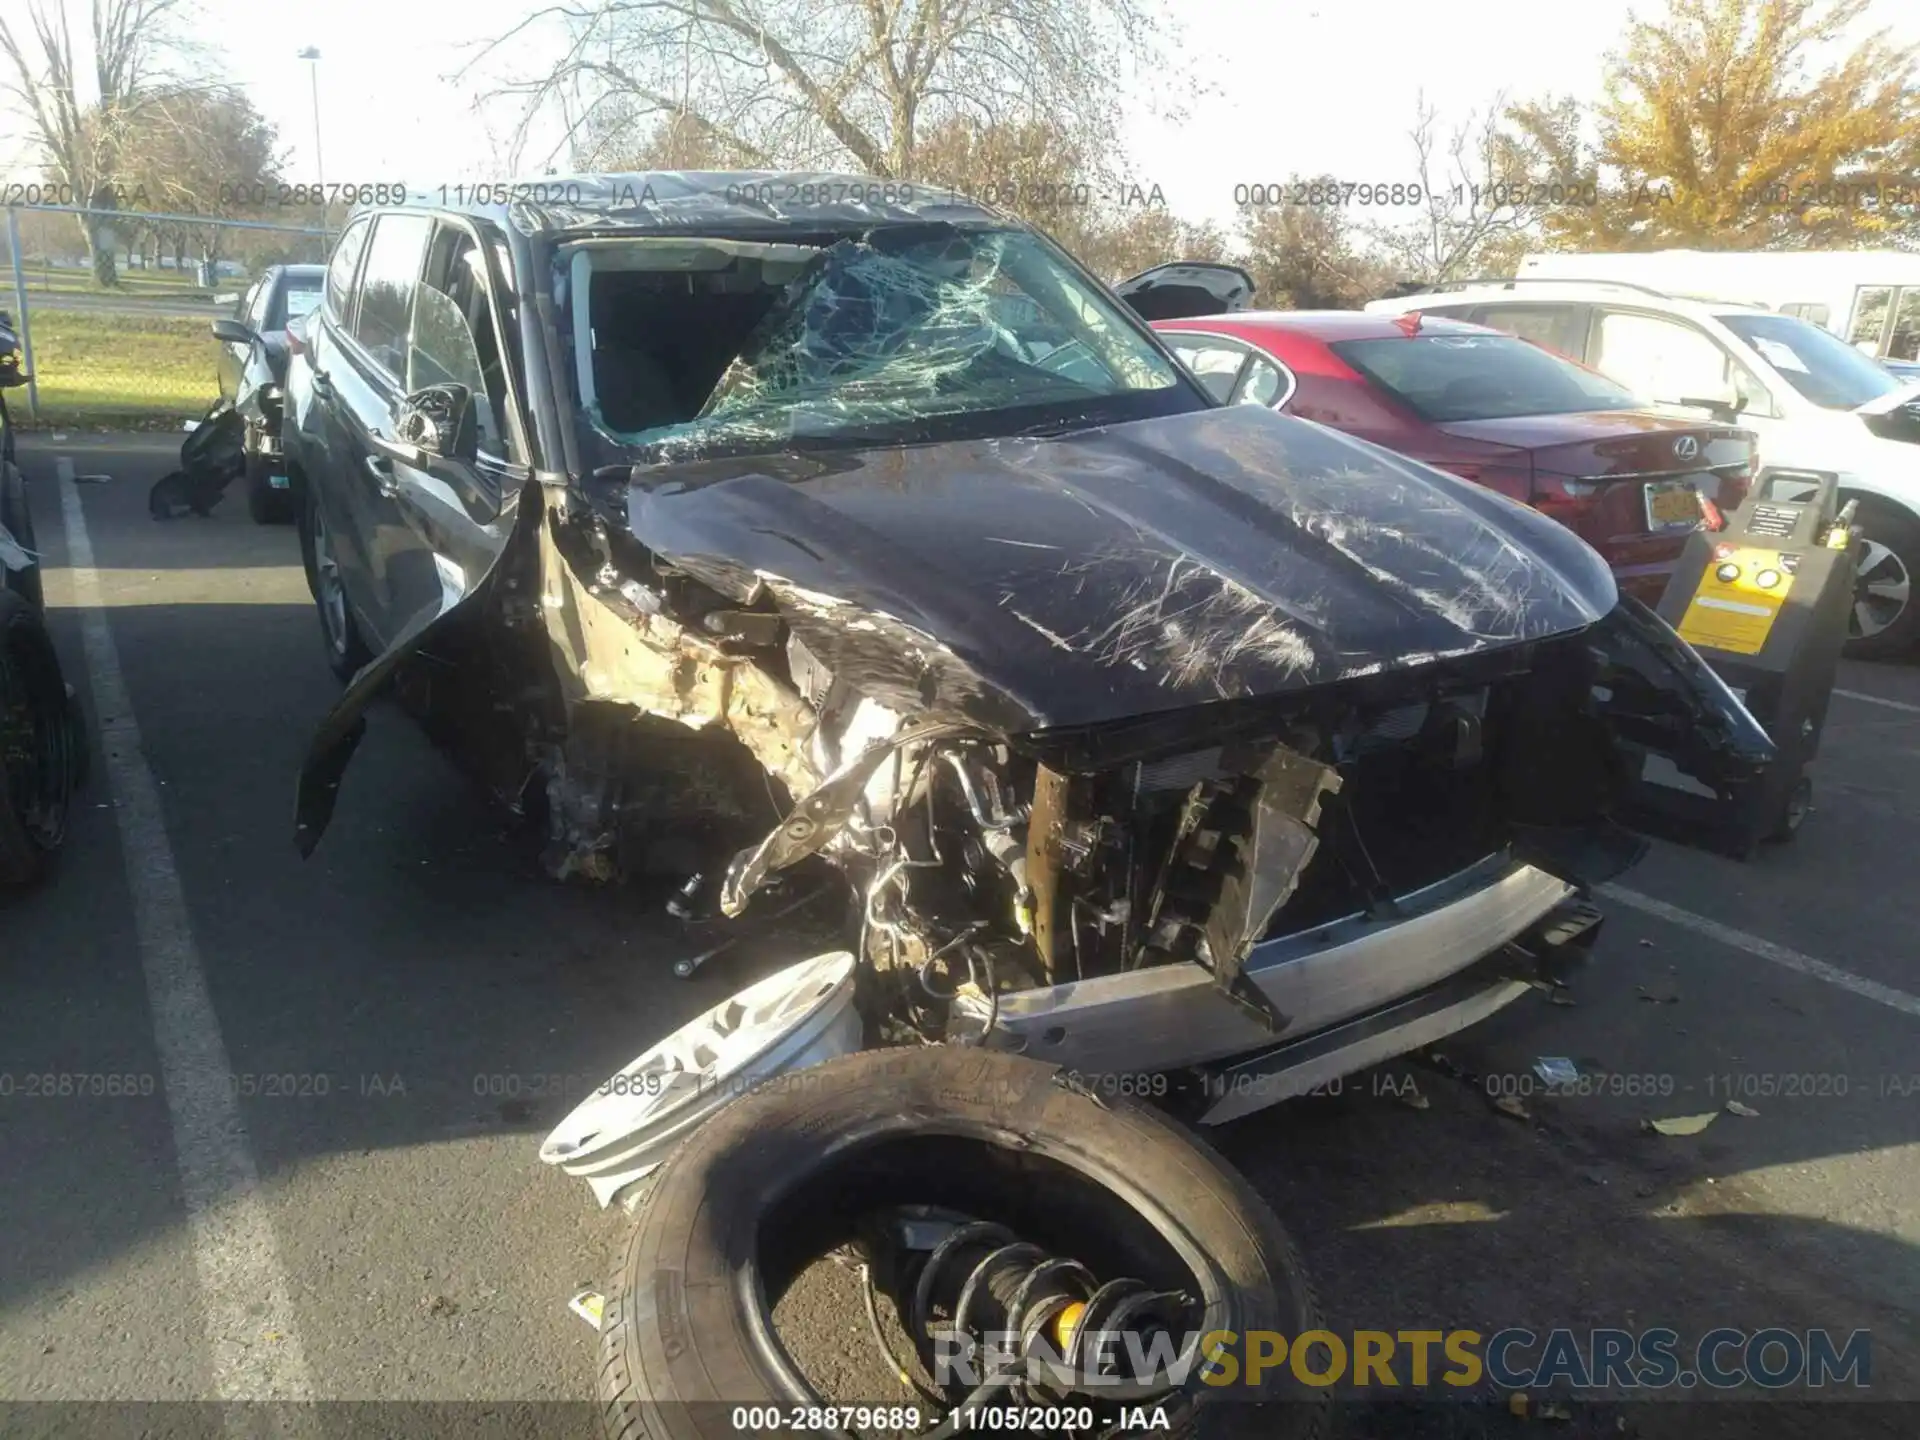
(1561, 997)
(1683, 1124)
(1412, 1096)
(1646, 944)
(1554, 1410)
(1517, 1404)
(1510, 1105)
(1734, 1107)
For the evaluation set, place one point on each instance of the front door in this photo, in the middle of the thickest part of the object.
(446, 537)
(370, 384)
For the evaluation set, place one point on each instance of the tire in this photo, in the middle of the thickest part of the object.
(1893, 556)
(1793, 813)
(41, 747)
(339, 632)
(266, 505)
(678, 1348)
(17, 520)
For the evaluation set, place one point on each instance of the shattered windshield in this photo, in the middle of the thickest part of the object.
(865, 341)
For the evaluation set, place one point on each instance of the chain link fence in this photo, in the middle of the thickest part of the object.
(135, 353)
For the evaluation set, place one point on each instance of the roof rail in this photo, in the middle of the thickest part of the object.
(1507, 281)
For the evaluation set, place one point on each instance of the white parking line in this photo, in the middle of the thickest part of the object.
(1877, 700)
(255, 1353)
(1754, 945)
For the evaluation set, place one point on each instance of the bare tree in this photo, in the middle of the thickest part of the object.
(1482, 192)
(81, 134)
(202, 151)
(835, 82)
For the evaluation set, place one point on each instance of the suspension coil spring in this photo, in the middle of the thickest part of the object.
(1012, 1287)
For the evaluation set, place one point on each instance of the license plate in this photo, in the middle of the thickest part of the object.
(278, 482)
(1672, 505)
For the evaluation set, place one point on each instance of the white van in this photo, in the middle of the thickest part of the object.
(1869, 298)
(1813, 401)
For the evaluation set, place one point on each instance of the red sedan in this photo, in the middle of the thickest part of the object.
(1498, 410)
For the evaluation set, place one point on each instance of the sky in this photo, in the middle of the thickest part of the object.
(1280, 86)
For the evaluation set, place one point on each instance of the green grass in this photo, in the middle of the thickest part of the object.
(117, 370)
(170, 283)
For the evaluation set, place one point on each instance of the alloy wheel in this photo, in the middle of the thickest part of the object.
(330, 592)
(1881, 589)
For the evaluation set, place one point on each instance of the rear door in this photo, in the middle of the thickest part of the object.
(1561, 328)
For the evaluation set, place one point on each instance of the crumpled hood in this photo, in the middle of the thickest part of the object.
(1166, 563)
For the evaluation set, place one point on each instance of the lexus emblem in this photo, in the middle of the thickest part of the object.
(1686, 448)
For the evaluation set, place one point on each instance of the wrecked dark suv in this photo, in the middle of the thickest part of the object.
(788, 531)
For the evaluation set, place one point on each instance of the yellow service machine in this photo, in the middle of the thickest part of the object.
(1764, 600)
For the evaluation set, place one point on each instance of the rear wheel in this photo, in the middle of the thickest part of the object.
(346, 651)
(17, 521)
(1885, 620)
(41, 755)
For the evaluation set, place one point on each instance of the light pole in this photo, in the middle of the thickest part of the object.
(311, 54)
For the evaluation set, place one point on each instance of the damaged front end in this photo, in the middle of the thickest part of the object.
(1141, 735)
(1245, 824)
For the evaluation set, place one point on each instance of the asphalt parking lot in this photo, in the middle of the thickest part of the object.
(406, 1014)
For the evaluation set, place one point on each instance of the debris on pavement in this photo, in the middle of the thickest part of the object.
(1682, 1124)
(1410, 1096)
(1557, 1070)
(1653, 999)
(1734, 1107)
(590, 1306)
(1553, 1410)
(1517, 1404)
(1512, 1105)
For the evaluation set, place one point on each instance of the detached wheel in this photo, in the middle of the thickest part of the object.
(346, 651)
(779, 1179)
(42, 756)
(1885, 620)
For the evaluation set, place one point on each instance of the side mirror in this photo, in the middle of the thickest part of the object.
(439, 421)
(233, 332)
(1725, 402)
